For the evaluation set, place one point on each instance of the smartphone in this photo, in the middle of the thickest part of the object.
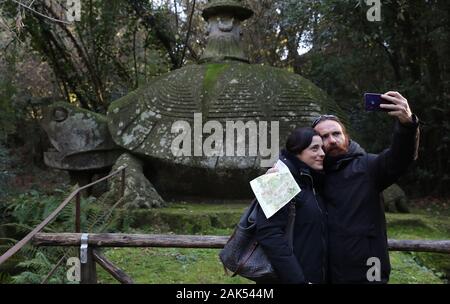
(372, 102)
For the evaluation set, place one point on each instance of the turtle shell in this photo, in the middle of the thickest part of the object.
(142, 121)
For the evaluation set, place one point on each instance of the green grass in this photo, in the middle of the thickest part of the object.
(169, 266)
(177, 265)
(405, 270)
(422, 225)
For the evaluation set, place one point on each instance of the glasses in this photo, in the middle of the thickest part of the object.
(324, 117)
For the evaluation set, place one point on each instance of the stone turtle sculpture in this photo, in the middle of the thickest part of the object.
(223, 88)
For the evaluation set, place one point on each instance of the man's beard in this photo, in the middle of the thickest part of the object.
(338, 149)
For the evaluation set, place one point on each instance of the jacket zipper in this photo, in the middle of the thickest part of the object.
(323, 228)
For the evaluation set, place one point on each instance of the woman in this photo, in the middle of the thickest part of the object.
(306, 262)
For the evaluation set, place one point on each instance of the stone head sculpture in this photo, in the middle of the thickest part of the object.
(224, 19)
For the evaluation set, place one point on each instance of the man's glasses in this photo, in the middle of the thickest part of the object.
(324, 117)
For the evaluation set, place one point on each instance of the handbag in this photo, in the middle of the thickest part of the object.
(243, 255)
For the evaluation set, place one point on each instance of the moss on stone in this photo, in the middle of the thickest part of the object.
(213, 71)
(185, 218)
(94, 115)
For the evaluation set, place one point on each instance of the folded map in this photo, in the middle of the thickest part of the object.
(274, 190)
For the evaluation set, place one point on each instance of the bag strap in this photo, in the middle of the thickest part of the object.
(290, 224)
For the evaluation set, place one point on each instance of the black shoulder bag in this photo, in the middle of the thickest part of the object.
(242, 254)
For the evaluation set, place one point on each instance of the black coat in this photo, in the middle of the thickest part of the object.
(307, 260)
(356, 221)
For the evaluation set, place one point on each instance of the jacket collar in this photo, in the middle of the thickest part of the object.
(295, 165)
(301, 171)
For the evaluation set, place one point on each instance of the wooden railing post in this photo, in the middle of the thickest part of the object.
(88, 271)
(77, 213)
(116, 272)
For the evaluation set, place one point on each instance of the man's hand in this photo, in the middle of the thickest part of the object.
(399, 107)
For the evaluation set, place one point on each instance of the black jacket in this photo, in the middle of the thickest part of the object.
(356, 221)
(307, 260)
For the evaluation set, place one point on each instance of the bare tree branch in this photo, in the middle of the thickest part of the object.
(188, 33)
(10, 30)
(151, 23)
(93, 73)
(40, 14)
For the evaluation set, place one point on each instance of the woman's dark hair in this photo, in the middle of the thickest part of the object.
(300, 139)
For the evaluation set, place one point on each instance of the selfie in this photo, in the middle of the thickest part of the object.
(216, 142)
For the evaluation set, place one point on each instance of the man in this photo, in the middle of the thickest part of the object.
(353, 185)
